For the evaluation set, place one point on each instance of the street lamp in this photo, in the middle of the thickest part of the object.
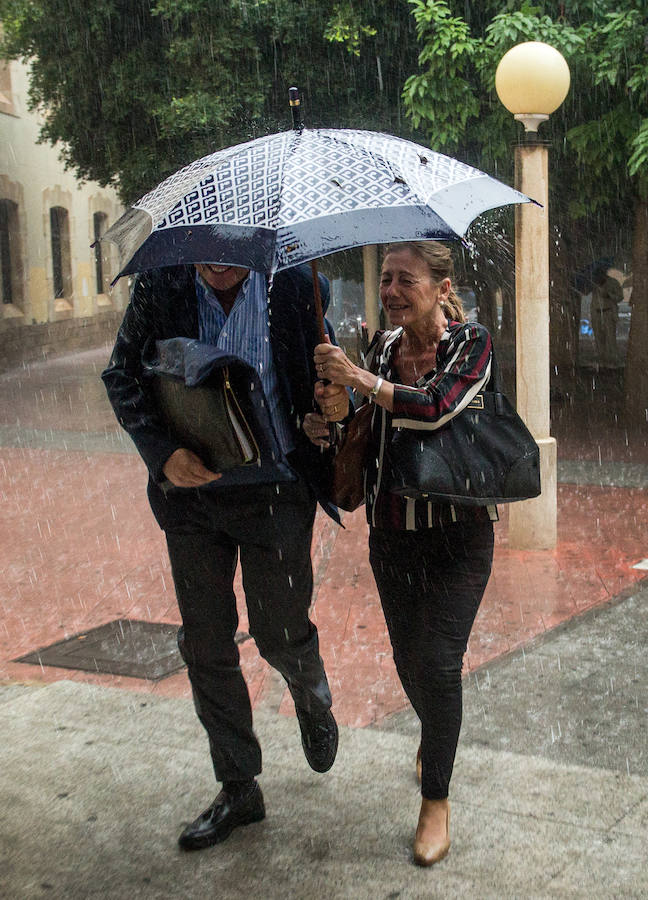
(532, 80)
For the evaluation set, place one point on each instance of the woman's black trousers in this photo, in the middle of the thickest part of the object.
(431, 583)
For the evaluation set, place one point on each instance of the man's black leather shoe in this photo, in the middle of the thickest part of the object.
(226, 813)
(319, 734)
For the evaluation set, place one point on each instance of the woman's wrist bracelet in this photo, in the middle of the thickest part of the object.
(373, 393)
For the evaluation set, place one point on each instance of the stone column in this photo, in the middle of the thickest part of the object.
(532, 523)
(371, 293)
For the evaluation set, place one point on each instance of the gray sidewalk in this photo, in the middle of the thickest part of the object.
(549, 796)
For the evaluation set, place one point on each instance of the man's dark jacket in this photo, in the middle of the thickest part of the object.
(164, 305)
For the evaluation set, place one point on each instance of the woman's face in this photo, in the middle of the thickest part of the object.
(407, 292)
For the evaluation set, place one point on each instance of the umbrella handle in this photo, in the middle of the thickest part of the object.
(319, 315)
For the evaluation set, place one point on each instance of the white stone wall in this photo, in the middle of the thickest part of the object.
(32, 177)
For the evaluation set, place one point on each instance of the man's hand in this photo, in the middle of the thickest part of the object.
(333, 400)
(316, 430)
(184, 469)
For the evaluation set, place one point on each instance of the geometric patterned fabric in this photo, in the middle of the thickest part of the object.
(288, 190)
(286, 178)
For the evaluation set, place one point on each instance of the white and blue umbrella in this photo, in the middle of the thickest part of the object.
(288, 198)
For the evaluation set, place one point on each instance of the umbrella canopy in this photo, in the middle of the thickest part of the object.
(288, 198)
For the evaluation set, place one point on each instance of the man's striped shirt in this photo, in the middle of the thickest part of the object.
(246, 333)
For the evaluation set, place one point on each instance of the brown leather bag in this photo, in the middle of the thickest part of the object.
(348, 467)
(347, 485)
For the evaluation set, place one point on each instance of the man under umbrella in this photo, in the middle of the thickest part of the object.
(208, 526)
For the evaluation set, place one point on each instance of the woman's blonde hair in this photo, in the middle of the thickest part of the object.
(438, 259)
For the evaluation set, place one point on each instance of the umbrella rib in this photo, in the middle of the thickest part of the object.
(295, 137)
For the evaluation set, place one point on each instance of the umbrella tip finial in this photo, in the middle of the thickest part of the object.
(295, 108)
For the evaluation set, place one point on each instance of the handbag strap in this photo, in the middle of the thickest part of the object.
(375, 351)
(495, 380)
(495, 384)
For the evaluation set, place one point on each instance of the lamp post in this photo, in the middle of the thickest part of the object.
(532, 80)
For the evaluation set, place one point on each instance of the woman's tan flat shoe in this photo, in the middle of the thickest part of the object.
(428, 853)
(419, 766)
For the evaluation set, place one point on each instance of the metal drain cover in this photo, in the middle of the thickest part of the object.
(122, 647)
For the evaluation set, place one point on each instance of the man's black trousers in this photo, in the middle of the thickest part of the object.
(271, 527)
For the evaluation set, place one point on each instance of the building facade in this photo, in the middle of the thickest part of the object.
(55, 293)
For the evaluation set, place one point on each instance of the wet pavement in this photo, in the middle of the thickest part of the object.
(554, 674)
(80, 547)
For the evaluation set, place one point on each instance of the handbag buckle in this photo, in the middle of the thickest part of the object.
(477, 402)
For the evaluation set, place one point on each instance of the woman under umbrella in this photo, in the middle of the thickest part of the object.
(431, 561)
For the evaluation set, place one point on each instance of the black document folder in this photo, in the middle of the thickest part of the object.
(207, 419)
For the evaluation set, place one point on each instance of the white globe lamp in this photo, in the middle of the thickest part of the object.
(532, 80)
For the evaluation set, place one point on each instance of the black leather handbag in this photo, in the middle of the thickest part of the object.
(483, 455)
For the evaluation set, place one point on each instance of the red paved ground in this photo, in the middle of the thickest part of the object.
(79, 548)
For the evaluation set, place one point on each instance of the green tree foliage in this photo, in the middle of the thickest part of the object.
(599, 137)
(98, 82)
(601, 127)
(132, 90)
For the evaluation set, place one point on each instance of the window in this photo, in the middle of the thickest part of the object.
(10, 262)
(6, 95)
(5, 253)
(61, 266)
(99, 220)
